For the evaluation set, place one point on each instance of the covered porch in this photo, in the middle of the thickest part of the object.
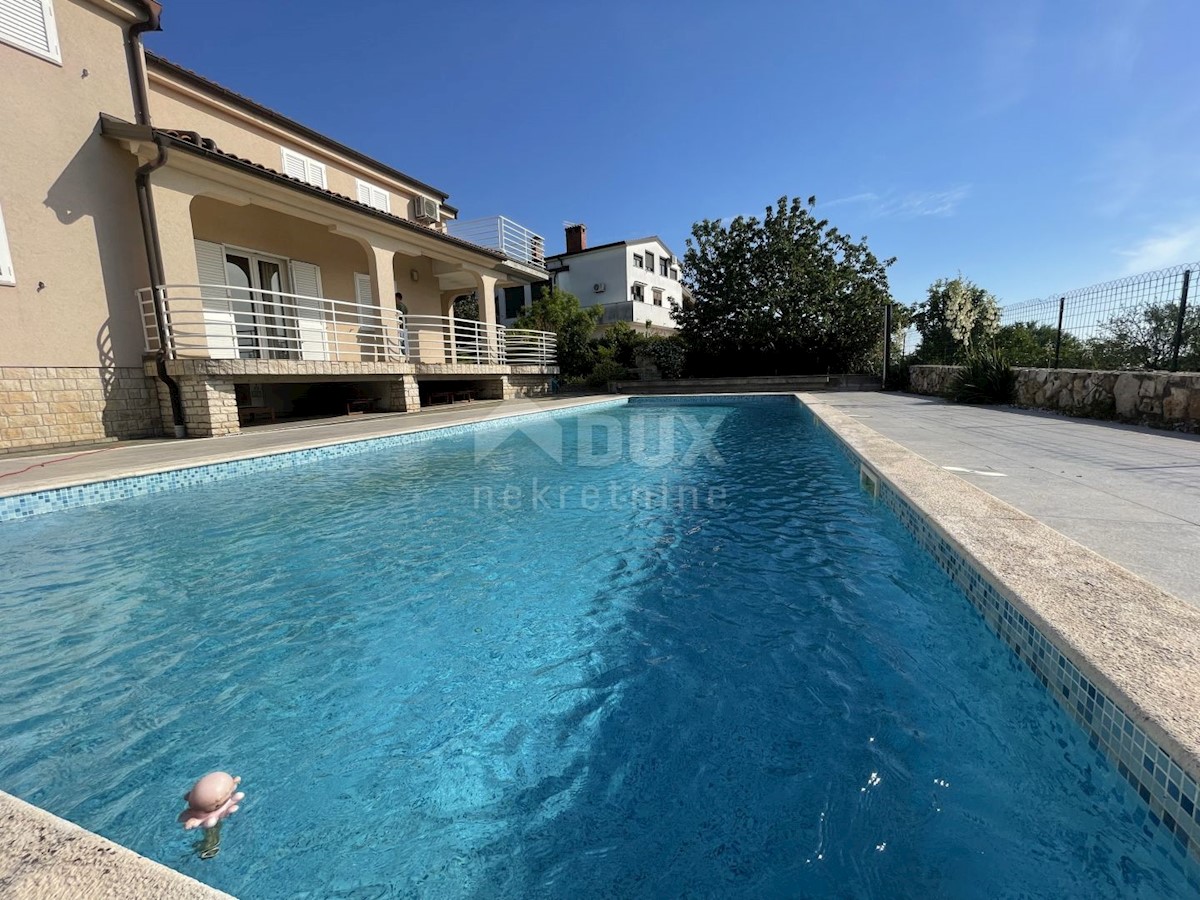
(269, 288)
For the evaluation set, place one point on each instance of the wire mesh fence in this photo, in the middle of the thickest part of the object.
(1146, 321)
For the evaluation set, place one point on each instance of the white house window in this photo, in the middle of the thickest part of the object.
(662, 266)
(301, 167)
(650, 261)
(638, 262)
(374, 196)
(638, 292)
(657, 294)
(29, 26)
(674, 274)
(7, 275)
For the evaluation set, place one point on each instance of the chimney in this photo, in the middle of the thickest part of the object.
(576, 238)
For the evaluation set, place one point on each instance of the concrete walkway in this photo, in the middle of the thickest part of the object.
(32, 472)
(1131, 494)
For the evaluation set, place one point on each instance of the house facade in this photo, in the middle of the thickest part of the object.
(177, 258)
(634, 281)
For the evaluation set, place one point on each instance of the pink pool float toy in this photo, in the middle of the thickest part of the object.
(211, 800)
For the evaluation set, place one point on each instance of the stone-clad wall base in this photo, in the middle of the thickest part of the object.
(521, 386)
(401, 395)
(53, 407)
(1165, 399)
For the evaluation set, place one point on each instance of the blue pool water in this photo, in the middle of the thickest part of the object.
(463, 668)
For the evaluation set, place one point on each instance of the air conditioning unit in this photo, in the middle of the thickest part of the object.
(599, 287)
(425, 210)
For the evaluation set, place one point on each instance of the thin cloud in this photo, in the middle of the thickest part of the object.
(1168, 247)
(908, 205)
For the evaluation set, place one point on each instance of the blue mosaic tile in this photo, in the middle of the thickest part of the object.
(1163, 786)
(22, 506)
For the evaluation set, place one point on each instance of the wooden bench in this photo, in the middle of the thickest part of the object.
(250, 413)
(441, 396)
(358, 407)
(464, 395)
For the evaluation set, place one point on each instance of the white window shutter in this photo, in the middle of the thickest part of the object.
(310, 313)
(370, 195)
(210, 265)
(363, 295)
(316, 173)
(7, 274)
(29, 25)
(219, 337)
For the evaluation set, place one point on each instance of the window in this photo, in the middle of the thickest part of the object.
(657, 294)
(650, 261)
(662, 266)
(7, 276)
(370, 195)
(638, 292)
(514, 301)
(29, 25)
(638, 262)
(301, 167)
(674, 274)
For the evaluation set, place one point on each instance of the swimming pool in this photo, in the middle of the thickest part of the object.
(538, 667)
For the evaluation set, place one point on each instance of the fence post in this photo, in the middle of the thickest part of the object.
(1183, 297)
(1062, 302)
(887, 342)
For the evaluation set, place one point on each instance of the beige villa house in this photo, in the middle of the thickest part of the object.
(176, 257)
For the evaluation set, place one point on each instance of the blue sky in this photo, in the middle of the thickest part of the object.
(1035, 145)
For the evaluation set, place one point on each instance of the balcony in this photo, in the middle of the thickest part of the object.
(219, 322)
(498, 233)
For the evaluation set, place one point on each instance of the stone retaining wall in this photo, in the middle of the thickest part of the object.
(1165, 399)
(46, 408)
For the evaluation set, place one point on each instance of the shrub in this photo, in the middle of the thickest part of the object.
(606, 371)
(668, 354)
(986, 377)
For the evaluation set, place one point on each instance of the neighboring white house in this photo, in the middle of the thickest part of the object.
(635, 281)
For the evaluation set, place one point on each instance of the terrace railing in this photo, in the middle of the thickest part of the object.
(499, 233)
(219, 322)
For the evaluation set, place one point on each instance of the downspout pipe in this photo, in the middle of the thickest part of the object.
(145, 197)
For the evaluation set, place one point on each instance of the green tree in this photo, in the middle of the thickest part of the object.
(956, 317)
(1032, 344)
(1144, 338)
(622, 342)
(785, 295)
(558, 311)
(466, 307)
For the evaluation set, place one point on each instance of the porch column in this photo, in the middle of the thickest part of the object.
(383, 288)
(173, 207)
(485, 294)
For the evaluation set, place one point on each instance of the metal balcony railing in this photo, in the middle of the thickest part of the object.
(515, 241)
(218, 322)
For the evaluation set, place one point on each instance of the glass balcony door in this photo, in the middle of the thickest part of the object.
(265, 322)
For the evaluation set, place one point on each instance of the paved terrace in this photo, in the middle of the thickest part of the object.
(1131, 494)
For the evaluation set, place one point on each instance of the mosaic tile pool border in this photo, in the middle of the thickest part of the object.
(22, 506)
(1170, 795)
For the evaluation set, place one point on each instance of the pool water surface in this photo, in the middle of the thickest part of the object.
(656, 650)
